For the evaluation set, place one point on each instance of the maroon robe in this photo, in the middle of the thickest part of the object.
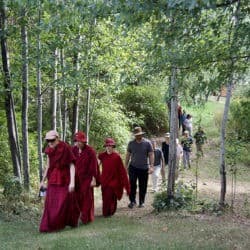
(86, 169)
(113, 180)
(60, 205)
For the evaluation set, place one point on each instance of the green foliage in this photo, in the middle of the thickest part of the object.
(210, 207)
(183, 198)
(239, 122)
(5, 158)
(109, 121)
(144, 105)
(12, 188)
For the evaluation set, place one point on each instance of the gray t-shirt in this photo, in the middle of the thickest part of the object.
(139, 153)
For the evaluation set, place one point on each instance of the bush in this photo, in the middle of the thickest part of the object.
(12, 188)
(183, 198)
(109, 121)
(239, 121)
(145, 105)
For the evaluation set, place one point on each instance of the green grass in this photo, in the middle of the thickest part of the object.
(209, 115)
(168, 230)
(164, 231)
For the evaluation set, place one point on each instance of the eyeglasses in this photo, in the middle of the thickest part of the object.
(50, 141)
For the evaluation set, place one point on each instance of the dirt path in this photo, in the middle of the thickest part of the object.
(207, 188)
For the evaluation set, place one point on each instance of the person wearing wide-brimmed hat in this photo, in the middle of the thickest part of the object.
(60, 207)
(87, 176)
(114, 178)
(139, 162)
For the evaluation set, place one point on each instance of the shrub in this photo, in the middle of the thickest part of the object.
(109, 121)
(183, 198)
(239, 121)
(12, 188)
(145, 105)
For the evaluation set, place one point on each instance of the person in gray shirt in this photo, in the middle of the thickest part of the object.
(139, 162)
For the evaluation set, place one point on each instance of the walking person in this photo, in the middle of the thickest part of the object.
(158, 165)
(60, 207)
(183, 118)
(165, 151)
(87, 176)
(186, 143)
(188, 124)
(139, 162)
(179, 156)
(200, 139)
(114, 178)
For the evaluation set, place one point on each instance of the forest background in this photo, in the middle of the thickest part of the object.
(105, 66)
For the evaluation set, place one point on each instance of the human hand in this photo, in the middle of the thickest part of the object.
(71, 187)
(42, 185)
(150, 169)
(93, 182)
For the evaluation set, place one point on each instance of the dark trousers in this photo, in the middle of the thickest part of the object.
(142, 176)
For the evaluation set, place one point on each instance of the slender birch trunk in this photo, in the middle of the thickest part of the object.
(88, 114)
(9, 101)
(39, 97)
(25, 102)
(232, 39)
(173, 134)
(75, 118)
(65, 105)
(223, 141)
(54, 93)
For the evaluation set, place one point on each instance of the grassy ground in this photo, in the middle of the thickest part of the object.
(148, 231)
(143, 228)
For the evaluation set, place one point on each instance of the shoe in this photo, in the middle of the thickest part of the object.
(131, 204)
(141, 205)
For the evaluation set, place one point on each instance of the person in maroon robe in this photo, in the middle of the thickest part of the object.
(113, 179)
(60, 203)
(87, 176)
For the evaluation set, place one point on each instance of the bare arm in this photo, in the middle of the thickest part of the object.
(72, 178)
(162, 160)
(151, 162)
(128, 155)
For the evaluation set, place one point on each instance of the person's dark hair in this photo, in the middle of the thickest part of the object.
(189, 116)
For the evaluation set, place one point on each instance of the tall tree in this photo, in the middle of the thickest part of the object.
(25, 98)
(9, 100)
(39, 92)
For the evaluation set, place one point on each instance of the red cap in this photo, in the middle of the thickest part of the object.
(80, 137)
(109, 142)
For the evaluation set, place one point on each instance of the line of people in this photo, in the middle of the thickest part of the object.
(73, 172)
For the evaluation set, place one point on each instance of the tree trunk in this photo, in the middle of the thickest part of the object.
(75, 117)
(25, 102)
(65, 105)
(39, 97)
(173, 134)
(87, 114)
(232, 39)
(9, 102)
(54, 93)
(223, 139)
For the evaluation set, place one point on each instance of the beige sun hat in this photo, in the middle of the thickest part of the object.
(51, 135)
(138, 131)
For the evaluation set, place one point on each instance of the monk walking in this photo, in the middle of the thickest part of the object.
(114, 178)
(87, 176)
(60, 205)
